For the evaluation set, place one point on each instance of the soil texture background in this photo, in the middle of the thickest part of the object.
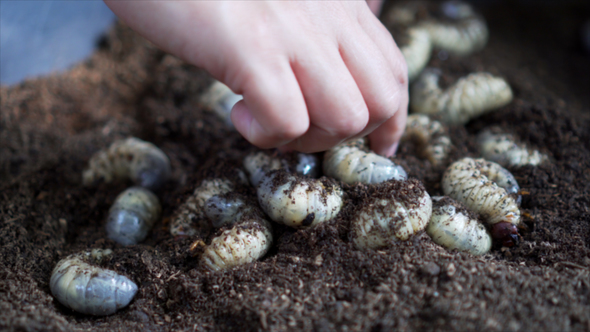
(312, 279)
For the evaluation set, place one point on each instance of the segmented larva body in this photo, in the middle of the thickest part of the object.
(351, 162)
(430, 135)
(503, 149)
(298, 202)
(132, 216)
(479, 184)
(454, 227)
(221, 99)
(460, 31)
(396, 211)
(191, 215)
(226, 209)
(468, 98)
(246, 242)
(89, 289)
(131, 158)
(258, 163)
(416, 51)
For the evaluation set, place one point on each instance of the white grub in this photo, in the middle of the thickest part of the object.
(416, 51)
(298, 202)
(396, 211)
(470, 97)
(258, 163)
(142, 162)
(190, 216)
(246, 242)
(478, 184)
(132, 216)
(459, 30)
(220, 99)
(351, 162)
(226, 209)
(430, 136)
(454, 227)
(89, 289)
(504, 149)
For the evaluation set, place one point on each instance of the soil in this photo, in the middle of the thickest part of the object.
(312, 279)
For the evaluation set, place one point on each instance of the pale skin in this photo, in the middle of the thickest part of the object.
(313, 73)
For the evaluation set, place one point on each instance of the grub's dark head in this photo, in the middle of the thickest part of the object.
(505, 232)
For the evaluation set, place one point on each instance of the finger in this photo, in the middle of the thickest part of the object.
(337, 109)
(273, 111)
(385, 139)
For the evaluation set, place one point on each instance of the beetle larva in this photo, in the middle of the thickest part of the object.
(433, 142)
(460, 30)
(503, 149)
(468, 98)
(454, 227)
(472, 182)
(296, 201)
(132, 216)
(351, 162)
(131, 158)
(89, 289)
(221, 99)
(245, 242)
(258, 163)
(416, 51)
(396, 211)
(191, 215)
(226, 209)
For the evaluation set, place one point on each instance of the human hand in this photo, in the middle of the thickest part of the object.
(313, 74)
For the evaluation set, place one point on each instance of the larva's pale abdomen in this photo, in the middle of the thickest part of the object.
(350, 163)
(244, 243)
(417, 51)
(298, 202)
(221, 99)
(503, 149)
(258, 163)
(132, 216)
(468, 98)
(190, 216)
(88, 289)
(433, 142)
(397, 210)
(453, 227)
(131, 158)
(466, 182)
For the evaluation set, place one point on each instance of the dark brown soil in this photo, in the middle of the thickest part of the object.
(312, 279)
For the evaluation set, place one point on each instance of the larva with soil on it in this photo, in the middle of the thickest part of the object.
(459, 29)
(190, 216)
(226, 209)
(394, 212)
(351, 162)
(430, 135)
(479, 184)
(131, 158)
(454, 227)
(258, 163)
(504, 149)
(221, 99)
(132, 216)
(247, 241)
(416, 51)
(89, 289)
(298, 202)
(470, 97)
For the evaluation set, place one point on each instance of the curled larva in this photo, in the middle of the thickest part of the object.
(89, 289)
(131, 158)
(416, 51)
(226, 209)
(504, 149)
(479, 184)
(258, 163)
(190, 216)
(394, 212)
(351, 162)
(296, 201)
(459, 29)
(430, 136)
(221, 99)
(245, 242)
(132, 216)
(468, 98)
(454, 227)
